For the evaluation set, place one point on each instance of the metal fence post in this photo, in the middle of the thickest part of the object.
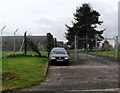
(14, 40)
(1, 42)
(86, 45)
(96, 46)
(75, 48)
(116, 48)
(0, 47)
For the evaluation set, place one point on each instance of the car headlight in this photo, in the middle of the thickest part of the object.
(66, 57)
(52, 57)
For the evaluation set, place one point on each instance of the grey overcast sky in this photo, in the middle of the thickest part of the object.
(39, 17)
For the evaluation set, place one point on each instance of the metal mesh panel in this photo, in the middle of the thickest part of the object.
(106, 48)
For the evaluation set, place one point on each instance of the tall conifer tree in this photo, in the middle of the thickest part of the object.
(85, 24)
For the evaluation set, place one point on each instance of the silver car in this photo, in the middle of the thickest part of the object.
(58, 55)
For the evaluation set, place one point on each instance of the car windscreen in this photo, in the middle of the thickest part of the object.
(58, 51)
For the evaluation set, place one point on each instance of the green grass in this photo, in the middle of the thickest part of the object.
(28, 71)
(5, 53)
(119, 55)
(0, 73)
(108, 53)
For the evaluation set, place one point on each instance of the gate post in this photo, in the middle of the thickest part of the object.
(75, 38)
(86, 45)
(96, 46)
(116, 48)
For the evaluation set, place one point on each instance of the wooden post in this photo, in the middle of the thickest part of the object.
(25, 44)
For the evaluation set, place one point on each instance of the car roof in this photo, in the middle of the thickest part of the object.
(58, 48)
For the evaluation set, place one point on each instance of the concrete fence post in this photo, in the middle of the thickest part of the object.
(116, 48)
(75, 38)
(96, 45)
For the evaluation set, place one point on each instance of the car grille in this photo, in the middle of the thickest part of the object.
(59, 57)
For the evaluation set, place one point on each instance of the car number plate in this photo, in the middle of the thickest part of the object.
(59, 60)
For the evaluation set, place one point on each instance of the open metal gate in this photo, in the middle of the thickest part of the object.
(108, 48)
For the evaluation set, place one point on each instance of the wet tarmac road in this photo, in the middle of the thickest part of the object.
(87, 75)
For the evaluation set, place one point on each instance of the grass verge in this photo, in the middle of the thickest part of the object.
(105, 53)
(21, 72)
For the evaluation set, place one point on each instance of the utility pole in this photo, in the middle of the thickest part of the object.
(14, 38)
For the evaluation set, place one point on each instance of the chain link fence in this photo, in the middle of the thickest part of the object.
(107, 48)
